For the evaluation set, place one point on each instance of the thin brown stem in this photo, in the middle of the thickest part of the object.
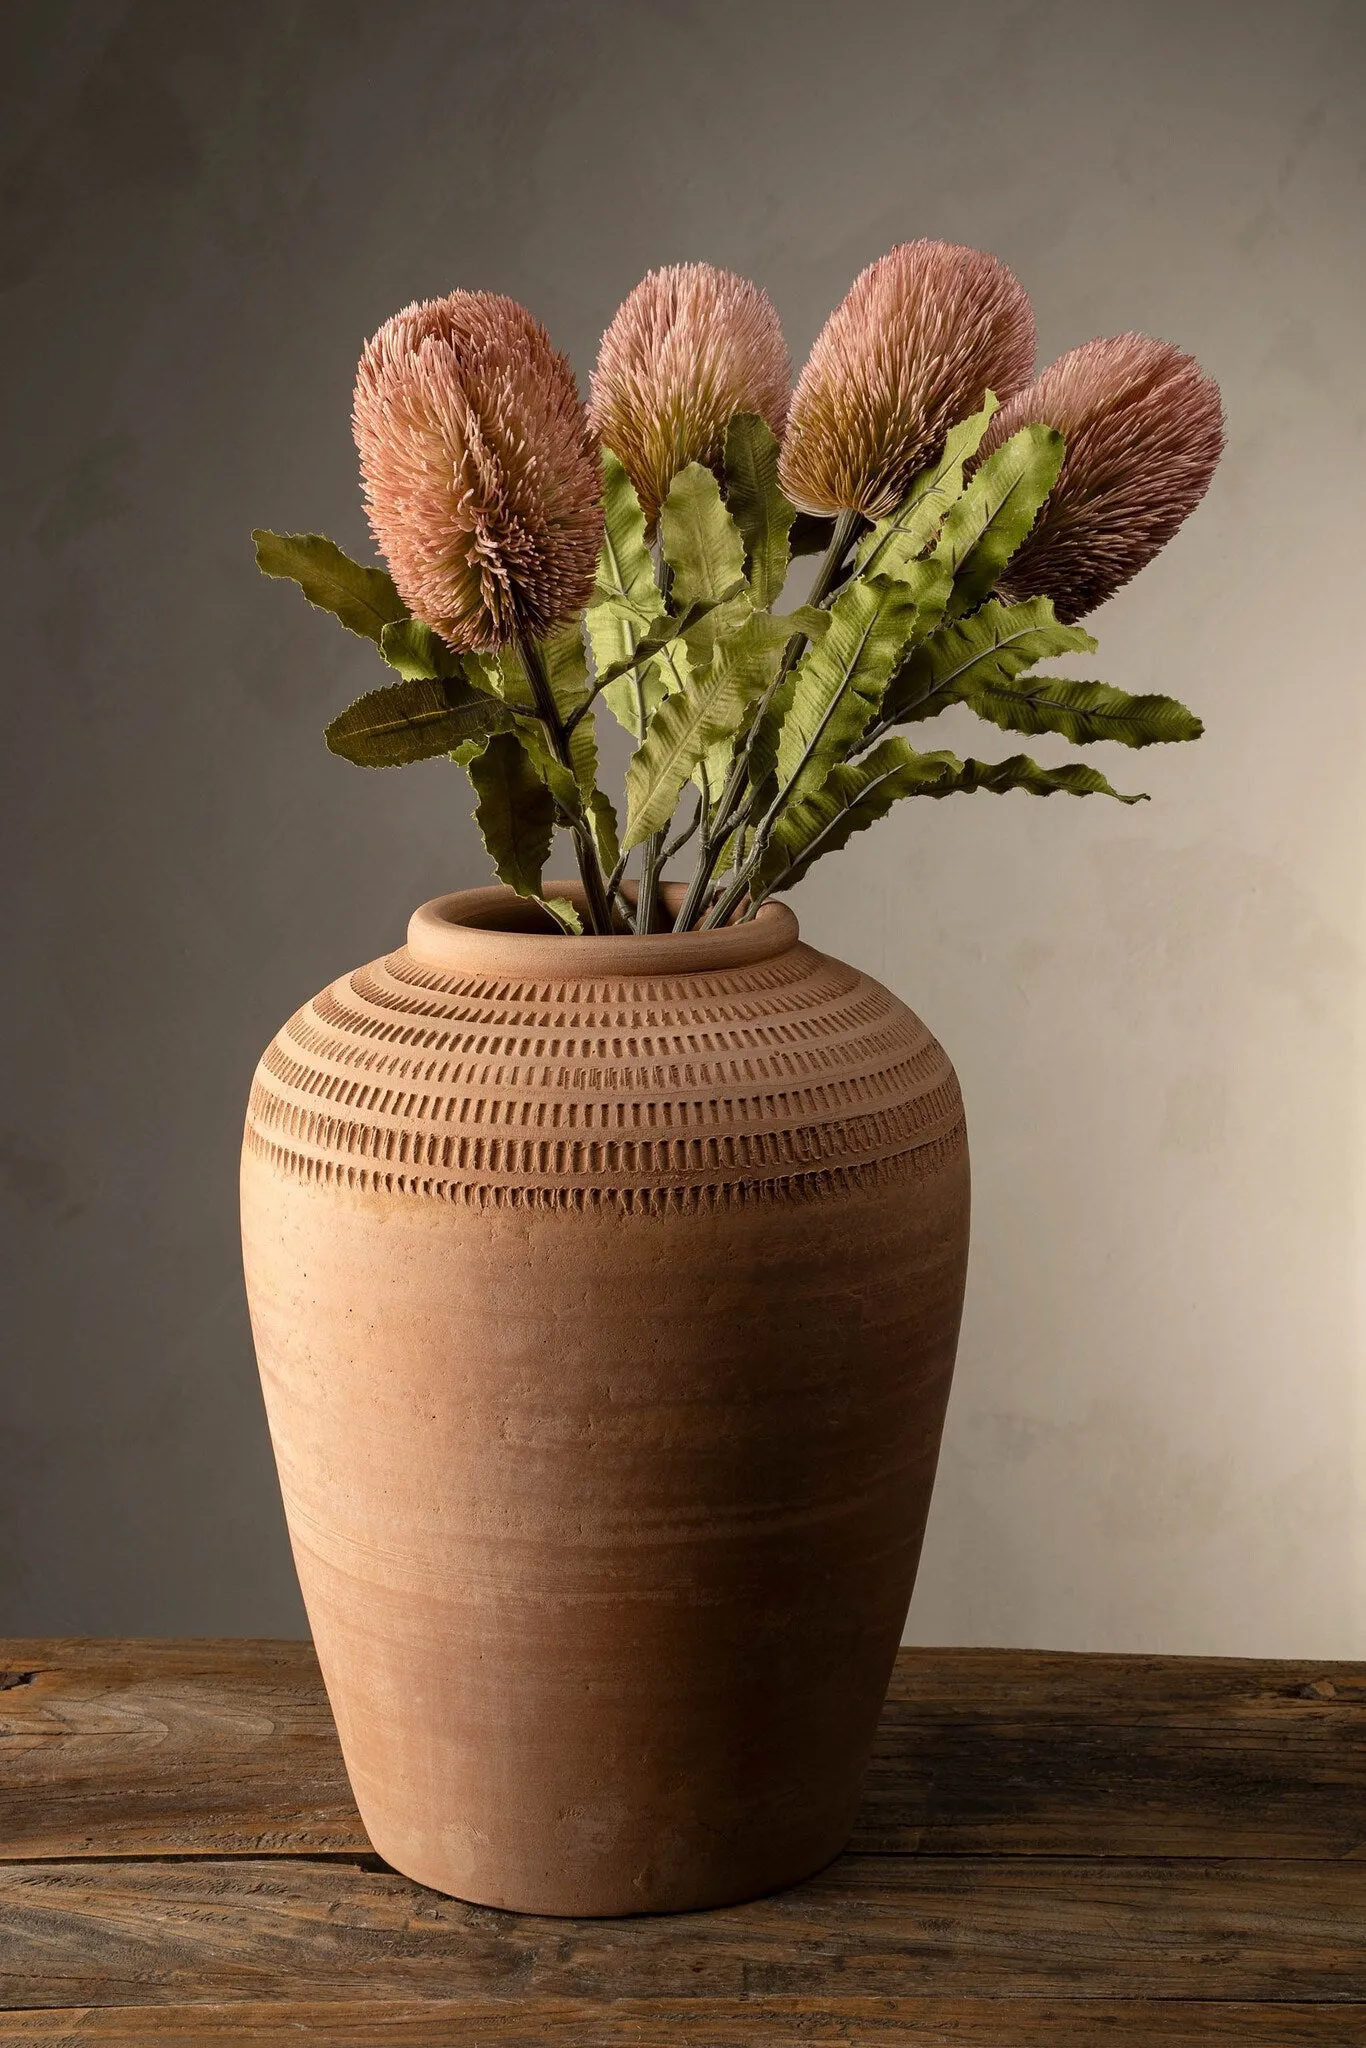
(647, 899)
(585, 847)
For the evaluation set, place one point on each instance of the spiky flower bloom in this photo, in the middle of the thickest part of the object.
(481, 477)
(689, 348)
(918, 340)
(1144, 429)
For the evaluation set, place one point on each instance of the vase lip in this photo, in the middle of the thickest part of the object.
(495, 931)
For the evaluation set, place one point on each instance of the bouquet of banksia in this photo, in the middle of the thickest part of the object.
(545, 557)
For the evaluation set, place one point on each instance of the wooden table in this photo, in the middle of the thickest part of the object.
(1052, 1849)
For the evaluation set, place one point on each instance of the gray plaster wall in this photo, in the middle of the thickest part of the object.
(1158, 1438)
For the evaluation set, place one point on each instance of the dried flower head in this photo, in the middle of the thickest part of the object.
(689, 348)
(481, 478)
(1144, 429)
(918, 340)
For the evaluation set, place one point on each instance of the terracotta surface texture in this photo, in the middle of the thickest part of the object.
(606, 1294)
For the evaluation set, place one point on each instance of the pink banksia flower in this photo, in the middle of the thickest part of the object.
(481, 475)
(1144, 430)
(918, 340)
(689, 348)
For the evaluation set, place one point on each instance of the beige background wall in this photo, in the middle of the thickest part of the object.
(1157, 1438)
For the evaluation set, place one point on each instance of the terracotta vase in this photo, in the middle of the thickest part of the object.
(606, 1294)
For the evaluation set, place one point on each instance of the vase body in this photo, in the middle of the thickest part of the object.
(605, 1295)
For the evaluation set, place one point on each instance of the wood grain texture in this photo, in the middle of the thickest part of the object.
(1073, 1850)
(825, 2022)
(154, 1932)
(169, 1748)
(227, 1749)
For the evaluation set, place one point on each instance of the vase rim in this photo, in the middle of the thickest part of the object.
(494, 931)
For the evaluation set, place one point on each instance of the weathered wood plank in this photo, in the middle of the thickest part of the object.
(228, 1749)
(708, 2023)
(163, 1748)
(126, 1932)
(1097, 1756)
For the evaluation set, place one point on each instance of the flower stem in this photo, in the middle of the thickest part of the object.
(647, 900)
(585, 847)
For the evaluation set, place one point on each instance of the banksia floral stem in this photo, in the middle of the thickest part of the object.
(585, 849)
(913, 347)
(647, 900)
(1144, 430)
(481, 476)
(652, 863)
(689, 348)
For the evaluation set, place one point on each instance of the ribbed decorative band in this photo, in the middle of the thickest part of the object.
(776, 1078)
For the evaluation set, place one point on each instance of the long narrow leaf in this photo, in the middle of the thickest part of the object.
(1082, 712)
(839, 682)
(991, 648)
(904, 536)
(946, 775)
(757, 503)
(983, 529)
(626, 603)
(856, 794)
(710, 710)
(853, 796)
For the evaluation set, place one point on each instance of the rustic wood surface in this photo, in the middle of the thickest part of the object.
(1052, 1848)
(825, 2022)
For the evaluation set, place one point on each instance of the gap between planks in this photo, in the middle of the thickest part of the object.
(839, 2022)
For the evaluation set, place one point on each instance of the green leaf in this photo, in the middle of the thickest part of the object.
(661, 636)
(945, 775)
(505, 674)
(365, 600)
(414, 721)
(625, 573)
(515, 812)
(602, 816)
(839, 682)
(566, 666)
(853, 796)
(1082, 712)
(564, 914)
(713, 768)
(856, 794)
(700, 541)
(626, 602)
(983, 529)
(763, 748)
(758, 505)
(422, 655)
(990, 648)
(566, 670)
(904, 536)
(562, 782)
(710, 710)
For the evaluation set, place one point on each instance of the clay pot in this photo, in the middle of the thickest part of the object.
(605, 1293)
